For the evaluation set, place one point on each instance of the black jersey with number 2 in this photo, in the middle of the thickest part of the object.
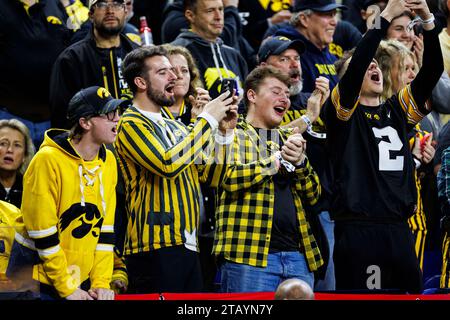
(368, 145)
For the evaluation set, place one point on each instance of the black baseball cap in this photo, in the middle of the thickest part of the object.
(278, 44)
(317, 5)
(92, 101)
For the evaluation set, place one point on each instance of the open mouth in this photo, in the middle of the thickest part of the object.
(114, 130)
(294, 75)
(169, 88)
(280, 110)
(375, 77)
(8, 160)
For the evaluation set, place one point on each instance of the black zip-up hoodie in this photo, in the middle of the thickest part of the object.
(82, 65)
(212, 57)
(29, 45)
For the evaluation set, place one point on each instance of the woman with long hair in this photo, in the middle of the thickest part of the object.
(189, 92)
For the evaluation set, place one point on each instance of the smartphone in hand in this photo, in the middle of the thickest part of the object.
(228, 84)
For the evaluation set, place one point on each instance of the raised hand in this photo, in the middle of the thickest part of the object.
(323, 86)
(281, 16)
(428, 151)
(419, 7)
(199, 101)
(218, 107)
(231, 118)
(393, 9)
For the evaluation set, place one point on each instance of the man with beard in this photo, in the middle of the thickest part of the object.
(95, 60)
(163, 163)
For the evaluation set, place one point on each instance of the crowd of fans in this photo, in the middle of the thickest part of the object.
(298, 145)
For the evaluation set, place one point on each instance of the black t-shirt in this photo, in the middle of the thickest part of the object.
(285, 235)
(285, 231)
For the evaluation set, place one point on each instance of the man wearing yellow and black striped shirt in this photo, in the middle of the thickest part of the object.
(162, 165)
(262, 233)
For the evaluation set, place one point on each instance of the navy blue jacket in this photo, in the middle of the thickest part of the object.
(315, 62)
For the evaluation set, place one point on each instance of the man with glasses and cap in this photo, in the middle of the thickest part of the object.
(70, 201)
(95, 60)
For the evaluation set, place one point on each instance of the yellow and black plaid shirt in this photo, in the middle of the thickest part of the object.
(246, 201)
(161, 177)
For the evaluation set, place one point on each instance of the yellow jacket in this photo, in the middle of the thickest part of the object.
(68, 209)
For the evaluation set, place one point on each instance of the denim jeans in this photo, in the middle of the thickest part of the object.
(37, 129)
(329, 282)
(238, 277)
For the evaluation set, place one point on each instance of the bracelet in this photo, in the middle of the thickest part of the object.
(429, 21)
(286, 164)
(317, 135)
(307, 121)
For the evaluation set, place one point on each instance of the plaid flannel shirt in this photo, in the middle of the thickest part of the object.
(246, 201)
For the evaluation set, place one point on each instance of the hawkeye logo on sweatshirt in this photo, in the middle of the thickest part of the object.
(82, 220)
(213, 82)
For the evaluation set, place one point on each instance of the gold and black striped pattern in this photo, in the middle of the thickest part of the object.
(342, 113)
(418, 226)
(445, 273)
(161, 180)
(409, 105)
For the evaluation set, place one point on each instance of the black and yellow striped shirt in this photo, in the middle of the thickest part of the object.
(162, 179)
(246, 201)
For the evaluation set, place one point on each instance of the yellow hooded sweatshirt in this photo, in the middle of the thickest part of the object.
(68, 209)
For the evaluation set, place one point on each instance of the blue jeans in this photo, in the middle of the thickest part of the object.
(329, 282)
(238, 277)
(37, 129)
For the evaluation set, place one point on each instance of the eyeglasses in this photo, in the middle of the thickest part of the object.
(112, 5)
(111, 115)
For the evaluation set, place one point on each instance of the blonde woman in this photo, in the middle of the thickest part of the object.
(16, 151)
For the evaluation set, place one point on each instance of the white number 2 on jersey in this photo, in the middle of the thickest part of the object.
(384, 148)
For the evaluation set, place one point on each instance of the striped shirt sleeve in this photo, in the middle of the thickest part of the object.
(139, 141)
